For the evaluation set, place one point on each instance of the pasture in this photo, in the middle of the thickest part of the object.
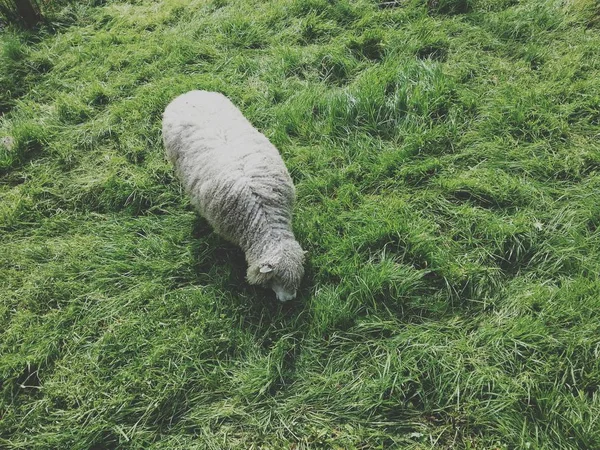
(446, 157)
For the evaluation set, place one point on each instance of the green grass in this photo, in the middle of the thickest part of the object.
(446, 156)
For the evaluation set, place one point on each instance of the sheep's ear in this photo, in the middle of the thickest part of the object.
(266, 268)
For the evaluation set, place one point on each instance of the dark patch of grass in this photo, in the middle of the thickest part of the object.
(437, 51)
(336, 68)
(449, 6)
(369, 46)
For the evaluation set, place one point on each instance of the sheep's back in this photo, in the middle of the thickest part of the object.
(233, 174)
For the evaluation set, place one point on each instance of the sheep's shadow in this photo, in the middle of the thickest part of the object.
(255, 309)
(212, 254)
(214, 258)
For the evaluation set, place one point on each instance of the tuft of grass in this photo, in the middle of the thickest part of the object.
(447, 167)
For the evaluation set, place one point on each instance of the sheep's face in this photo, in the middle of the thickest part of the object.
(281, 272)
(282, 293)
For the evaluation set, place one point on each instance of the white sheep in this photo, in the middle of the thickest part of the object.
(239, 184)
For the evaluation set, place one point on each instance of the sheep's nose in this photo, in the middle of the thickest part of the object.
(285, 296)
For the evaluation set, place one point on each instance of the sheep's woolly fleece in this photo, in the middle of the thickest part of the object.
(238, 182)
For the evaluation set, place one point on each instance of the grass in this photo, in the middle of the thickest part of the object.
(446, 156)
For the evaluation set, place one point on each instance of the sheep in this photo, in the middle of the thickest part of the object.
(238, 182)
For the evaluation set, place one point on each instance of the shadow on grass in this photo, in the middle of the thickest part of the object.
(278, 328)
(215, 255)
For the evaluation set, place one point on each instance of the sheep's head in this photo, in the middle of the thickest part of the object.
(281, 269)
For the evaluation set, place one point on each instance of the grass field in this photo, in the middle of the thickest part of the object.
(446, 156)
